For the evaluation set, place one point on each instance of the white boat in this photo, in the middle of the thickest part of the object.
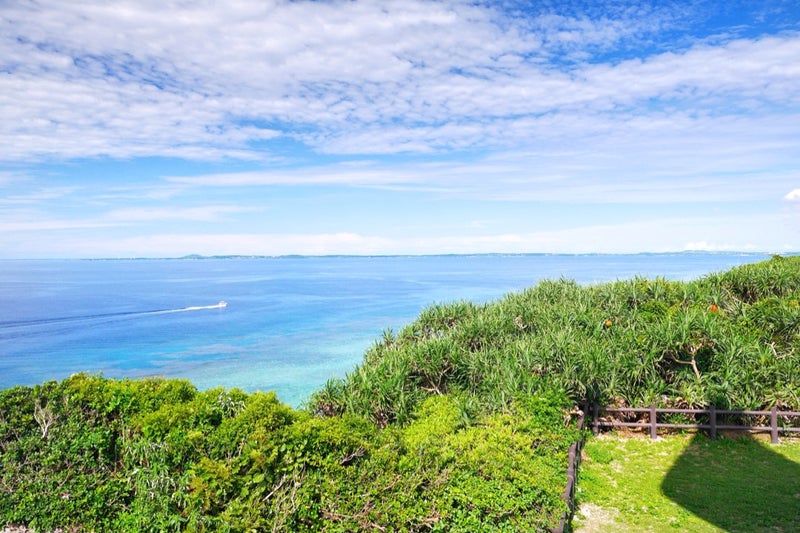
(222, 303)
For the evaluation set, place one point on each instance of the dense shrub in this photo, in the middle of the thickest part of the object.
(729, 339)
(459, 422)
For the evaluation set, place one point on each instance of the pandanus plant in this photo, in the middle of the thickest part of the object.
(730, 338)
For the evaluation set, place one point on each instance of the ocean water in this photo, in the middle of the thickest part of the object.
(291, 323)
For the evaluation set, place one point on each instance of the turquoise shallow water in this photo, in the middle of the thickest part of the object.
(290, 324)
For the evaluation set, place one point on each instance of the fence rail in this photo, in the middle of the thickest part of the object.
(574, 462)
(712, 426)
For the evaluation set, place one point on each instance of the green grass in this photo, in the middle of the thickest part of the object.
(688, 483)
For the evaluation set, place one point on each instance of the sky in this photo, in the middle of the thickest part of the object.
(162, 128)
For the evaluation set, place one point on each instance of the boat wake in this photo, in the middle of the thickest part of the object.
(123, 314)
(220, 305)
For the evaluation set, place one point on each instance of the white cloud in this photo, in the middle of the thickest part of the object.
(448, 100)
(45, 224)
(643, 171)
(346, 174)
(39, 195)
(174, 245)
(203, 81)
(9, 177)
(210, 213)
(39, 219)
(793, 196)
(703, 246)
(653, 235)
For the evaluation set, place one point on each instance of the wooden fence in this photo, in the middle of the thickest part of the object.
(712, 413)
(573, 463)
(713, 425)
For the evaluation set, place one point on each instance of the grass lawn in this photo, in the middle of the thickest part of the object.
(688, 483)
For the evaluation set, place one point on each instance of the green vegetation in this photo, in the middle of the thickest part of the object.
(459, 422)
(689, 483)
(730, 339)
(157, 455)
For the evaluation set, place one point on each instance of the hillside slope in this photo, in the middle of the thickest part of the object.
(732, 339)
(460, 422)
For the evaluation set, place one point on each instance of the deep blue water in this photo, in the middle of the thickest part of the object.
(290, 324)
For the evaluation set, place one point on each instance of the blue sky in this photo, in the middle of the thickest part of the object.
(160, 128)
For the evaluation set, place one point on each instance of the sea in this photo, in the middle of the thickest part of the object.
(290, 323)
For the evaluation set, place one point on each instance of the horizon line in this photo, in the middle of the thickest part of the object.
(200, 257)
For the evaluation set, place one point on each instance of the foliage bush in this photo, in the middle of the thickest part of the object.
(157, 455)
(729, 339)
(459, 422)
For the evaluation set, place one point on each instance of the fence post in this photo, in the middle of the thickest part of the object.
(653, 423)
(595, 428)
(585, 407)
(712, 420)
(773, 423)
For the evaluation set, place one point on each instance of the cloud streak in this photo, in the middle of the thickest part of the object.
(672, 234)
(592, 174)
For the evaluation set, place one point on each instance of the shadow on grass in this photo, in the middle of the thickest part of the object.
(738, 485)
